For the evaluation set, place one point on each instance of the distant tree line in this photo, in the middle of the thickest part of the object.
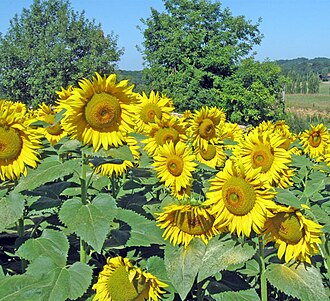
(304, 84)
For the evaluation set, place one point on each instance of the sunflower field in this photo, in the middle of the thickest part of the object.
(112, 195)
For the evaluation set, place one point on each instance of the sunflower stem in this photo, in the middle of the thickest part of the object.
(199, 291)
(263, 281)
(20, 232)
(84, 187)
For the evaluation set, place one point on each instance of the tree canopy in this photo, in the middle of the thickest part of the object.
(48, 46)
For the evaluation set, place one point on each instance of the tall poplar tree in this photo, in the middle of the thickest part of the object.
(48, 46)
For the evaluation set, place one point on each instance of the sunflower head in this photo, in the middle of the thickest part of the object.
(121, 281)
(183, 223)
(295, 236)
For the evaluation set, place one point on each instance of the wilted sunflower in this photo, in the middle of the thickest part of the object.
(264, 150)
(174, 165)
(149, 108)
(54, 132)
(213, 156)
(108, 169)
(121, 281)
(294, 235)
(315, 140)
(204, 126)
(163, 131)
(239, 200)
(183, 223)
(99, 113)
(18, 143)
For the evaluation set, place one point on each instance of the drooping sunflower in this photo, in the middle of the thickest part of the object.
(204, 126)
(99, 113)
(265, 151)
(54, 132)
(315, 140)
(121, 281)
(295, 236)
(18, 142)
(148, 108)
(174, 165)
(109, 169)
(185, 222)
(163, 131)
(213, 156)
(239, 199)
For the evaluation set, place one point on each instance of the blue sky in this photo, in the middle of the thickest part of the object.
(291, 28)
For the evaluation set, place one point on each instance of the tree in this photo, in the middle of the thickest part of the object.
(48, 46)
(192, 47)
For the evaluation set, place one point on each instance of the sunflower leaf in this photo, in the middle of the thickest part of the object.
(47, 171)
(92, 221)
(287, 197)
(244, 295)
(11, 209)
(302, 282)
(51, 243)
(220, 254)
(182, 265)
(144, 232)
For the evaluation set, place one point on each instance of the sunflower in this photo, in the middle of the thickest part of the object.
(232, 131)
(163, 131)
(213, 156)
(64, 93)
(108, 169)
(315, 140)
(265, 151)
(294, 235)
(121, 281)
(239, 200)
(150, 107)
(99, 113)
(174, 165)
(204, 126)
(183, 223)
(18, 142)
(54, 132)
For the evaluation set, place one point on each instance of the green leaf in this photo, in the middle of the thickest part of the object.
(47, 171)
(302, 282)
(287, 197)
(11, 209)
(22, 288)
(182, 265)
(220, 254)
(122, 153)
(144, 232)
(245, 295)
(51, 243)
(92, 221)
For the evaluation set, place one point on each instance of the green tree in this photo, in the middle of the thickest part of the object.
(191, 48)
(48, 46)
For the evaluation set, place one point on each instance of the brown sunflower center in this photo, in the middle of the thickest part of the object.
(262, 157)
(122, 289)
(164, 135)
(315, 139)
(286, 144)
(175, 165)
(53, 129)
(288, 227)
(209, 153)
(193, 223)
(207, 129)
(10, 144)
(238, 195)
(102, 111)
(149, 112)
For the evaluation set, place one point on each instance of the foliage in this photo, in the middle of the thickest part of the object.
(192, 48)
(48, 46)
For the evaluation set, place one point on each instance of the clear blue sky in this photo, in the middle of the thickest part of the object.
(291, 28)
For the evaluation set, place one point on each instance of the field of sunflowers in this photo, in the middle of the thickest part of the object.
(111, 195)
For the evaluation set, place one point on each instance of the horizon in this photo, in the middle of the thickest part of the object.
(292, 29)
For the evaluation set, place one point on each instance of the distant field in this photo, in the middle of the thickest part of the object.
(310, 104)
